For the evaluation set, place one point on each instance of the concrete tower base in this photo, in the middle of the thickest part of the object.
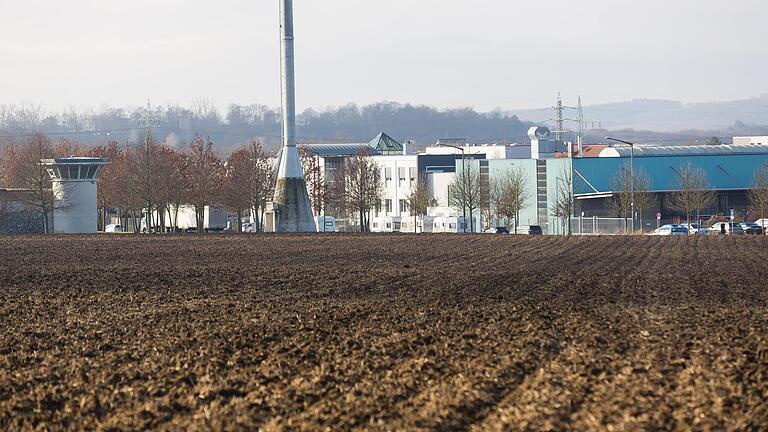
(292, 201)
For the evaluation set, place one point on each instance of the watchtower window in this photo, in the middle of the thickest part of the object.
(92, 171)
(73, 172)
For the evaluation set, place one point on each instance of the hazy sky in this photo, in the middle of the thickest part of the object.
(480, 53)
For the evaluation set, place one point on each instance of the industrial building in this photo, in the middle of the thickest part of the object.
(17, 214)
(546, 165)
(730, 170)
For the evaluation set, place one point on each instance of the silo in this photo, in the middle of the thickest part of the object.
(75, 210)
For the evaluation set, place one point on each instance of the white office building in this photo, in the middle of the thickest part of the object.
(400, 175)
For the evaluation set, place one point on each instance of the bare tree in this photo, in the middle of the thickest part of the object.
(262, 182)
(313, 176)
(237, 183)
(335, 196)
(512, 195)
(362, 176)
(693, 191)
(623, 185)
(205, 177)
(8, 159)
(109, 179)
(758, 195)
(464, 192)
(30, 173)
(564, 200)
(419, 201)
(143, 164)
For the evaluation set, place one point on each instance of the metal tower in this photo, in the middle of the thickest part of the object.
(294, 211)
(580, 135)
(559, 120)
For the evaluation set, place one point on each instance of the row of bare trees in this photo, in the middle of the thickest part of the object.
(691, 192)
(502, 198)
(354, 190)
(159, 180)
(149, 179)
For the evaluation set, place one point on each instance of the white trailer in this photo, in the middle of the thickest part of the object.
(450, 224)
(386, 224)
(185, 219)
(422, 224)
(325, 224)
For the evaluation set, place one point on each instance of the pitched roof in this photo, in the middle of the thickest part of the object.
(384, 144)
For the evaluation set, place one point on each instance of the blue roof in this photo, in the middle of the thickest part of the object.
(692, 150)
(725, 172)
(329, 150)
(382, 144)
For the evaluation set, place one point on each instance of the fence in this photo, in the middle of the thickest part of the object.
(604, 226)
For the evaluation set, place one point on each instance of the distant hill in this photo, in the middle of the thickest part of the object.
(656, 121)
(664, 115)
(349, 123)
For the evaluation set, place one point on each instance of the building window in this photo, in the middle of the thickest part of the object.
(403, 205)
(413, 173)
(388, 206)
(401, 175)
(387, 175)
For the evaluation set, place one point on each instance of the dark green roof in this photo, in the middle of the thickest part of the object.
(385, 144)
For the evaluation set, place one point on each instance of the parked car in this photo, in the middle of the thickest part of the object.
(114, 228)
(696, 229)
(752, 228)
(529, 230)
(763, 224)
(721, 227)
(674, 230)
(497, 230)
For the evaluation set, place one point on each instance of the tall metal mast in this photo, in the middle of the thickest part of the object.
(580, 136)
(559, 121)
(291, 197)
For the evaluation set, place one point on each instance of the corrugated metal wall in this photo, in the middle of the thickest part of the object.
(725, 172)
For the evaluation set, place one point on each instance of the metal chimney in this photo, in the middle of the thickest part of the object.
(291, 197)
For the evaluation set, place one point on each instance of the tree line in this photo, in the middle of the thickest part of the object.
(149, 178)
(176, 124)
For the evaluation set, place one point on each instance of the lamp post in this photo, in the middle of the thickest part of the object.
(464, 181)
(631, 174)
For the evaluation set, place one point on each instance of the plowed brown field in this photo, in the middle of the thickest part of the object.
(384, 332)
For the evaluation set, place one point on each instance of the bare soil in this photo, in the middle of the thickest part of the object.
(391, 332)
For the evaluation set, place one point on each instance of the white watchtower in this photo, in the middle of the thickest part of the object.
(75, 209)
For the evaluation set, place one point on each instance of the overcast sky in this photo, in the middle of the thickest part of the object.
(446, 53)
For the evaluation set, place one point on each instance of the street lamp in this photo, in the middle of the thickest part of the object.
(464, 181)
(631, 174)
